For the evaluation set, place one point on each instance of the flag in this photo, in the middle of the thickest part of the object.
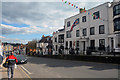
(74, 24)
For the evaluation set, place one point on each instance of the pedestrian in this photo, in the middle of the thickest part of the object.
(12, 60)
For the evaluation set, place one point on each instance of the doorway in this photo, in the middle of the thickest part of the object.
(83, 45)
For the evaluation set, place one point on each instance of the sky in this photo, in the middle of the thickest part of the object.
(27, 20)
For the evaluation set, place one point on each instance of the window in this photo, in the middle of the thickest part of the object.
(77, 44)
(116, 10)
(101, 29)
(55, 39)
(84, 19)
(68, 23)
(70, 44)
(68, 34)
(84, 32)
(92, 31)
(66, 44)
(102, 43)
(96, 15)
(117, 24)
(77, 33)
(61, 38)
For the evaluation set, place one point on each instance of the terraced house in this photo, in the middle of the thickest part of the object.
(96, 29)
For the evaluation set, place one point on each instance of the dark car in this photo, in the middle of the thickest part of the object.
(21, 59)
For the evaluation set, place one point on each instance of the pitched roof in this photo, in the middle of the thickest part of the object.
(46, 39)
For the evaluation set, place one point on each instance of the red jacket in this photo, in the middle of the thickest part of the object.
(12, 57)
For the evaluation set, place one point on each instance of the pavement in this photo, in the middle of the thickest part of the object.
(38, 67)
(18, 73)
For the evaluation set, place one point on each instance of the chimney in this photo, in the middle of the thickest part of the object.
(81, 10)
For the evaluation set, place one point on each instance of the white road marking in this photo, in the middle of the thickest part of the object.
(26, 70)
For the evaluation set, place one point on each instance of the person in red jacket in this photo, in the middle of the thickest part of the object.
(12, 60)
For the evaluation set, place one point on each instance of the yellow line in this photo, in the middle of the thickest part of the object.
(25, 73)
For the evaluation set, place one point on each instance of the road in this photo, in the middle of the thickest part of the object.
(38, 67)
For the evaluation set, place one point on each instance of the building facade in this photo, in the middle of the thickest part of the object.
(44, 46)
(58, 41)
(97, 29)
(114, 26)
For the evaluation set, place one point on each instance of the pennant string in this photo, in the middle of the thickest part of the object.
(83, 10)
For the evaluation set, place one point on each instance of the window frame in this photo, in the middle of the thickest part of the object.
(84, 31)
(84, 19)
(100, 29)
(68, 24)
(95, 13)
(103, 42)
(92, 32)
(114, 10)
(115, 25)
(77, 33)
(68, 34)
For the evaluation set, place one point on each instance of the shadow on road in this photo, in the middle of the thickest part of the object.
(69, 63)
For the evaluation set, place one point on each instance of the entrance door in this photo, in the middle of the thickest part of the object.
(92, 43)
(112, 43)
(70, 44)
(83, 45)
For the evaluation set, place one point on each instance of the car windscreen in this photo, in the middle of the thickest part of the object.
(20, 57)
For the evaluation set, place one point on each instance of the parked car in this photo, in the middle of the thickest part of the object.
(21, 59)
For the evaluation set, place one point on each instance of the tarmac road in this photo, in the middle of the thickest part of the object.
(38, 67)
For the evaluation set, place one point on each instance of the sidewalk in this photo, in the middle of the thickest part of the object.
(17, 73)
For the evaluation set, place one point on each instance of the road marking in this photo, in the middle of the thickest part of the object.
(26, 70)
(26, 73)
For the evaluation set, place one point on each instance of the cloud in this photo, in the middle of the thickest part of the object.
(43, 17)
(41, 14)
(16, 40)
(7, 30)
(2, 37)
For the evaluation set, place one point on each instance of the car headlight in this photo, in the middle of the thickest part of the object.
(22, 61)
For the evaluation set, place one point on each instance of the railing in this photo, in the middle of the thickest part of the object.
(95, 51)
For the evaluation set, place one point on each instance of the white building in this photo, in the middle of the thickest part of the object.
(96, 29)
(58, 41)
(114, 25)
(44, 46)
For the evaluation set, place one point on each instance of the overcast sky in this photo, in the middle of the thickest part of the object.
(24, 21)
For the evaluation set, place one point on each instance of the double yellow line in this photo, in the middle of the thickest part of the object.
(25, 73)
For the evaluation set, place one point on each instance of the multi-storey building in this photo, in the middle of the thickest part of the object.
(114, 25)
(97, 28)
(58, 41)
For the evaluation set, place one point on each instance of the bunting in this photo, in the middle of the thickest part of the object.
(81, 9)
